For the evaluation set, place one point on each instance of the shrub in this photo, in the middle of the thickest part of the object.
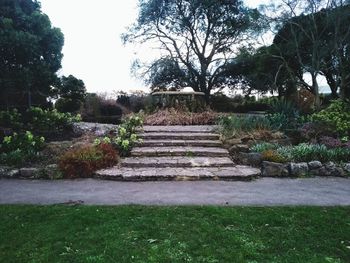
(312, 132)
(49, 123)
(283, 115)
(336, 116)
(68, 105)
(232, 125)
(262, 147)
(19, 148)
(85, 161)
(11, 119)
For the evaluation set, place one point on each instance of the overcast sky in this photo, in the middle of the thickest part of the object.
(93, 50)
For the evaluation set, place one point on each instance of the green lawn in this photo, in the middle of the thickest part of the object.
(173, 234)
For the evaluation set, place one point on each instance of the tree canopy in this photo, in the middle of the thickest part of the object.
(30, 54)
(196, 39)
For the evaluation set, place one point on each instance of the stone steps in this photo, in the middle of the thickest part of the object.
(165, 142)
(138, 162)
(180, 129)
(178, 174)
(179, 136)
(179, 151)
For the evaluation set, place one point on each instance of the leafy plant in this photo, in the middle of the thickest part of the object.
(49, 122)
(336, 116)
(283, 115)
(231, 125)
(19, 148)
(85, 161)
(262, 147)
(305, 152)
(11, 119)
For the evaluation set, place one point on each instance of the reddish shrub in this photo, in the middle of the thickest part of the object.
(85, 161)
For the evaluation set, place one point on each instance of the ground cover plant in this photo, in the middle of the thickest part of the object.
(174, 234)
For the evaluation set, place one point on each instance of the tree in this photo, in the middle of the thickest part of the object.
(196, 39)
(72, 93)
(313, 39)
(30, 54)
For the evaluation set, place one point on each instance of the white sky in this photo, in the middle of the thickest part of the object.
(93, 50)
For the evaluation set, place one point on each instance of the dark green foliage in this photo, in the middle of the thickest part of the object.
(20, 148)
(283, 115)
(83, 234)
(231, 125)
(72, 93)
(30, 52)
(47, 123)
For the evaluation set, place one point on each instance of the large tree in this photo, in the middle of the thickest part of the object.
(30, 54)
(196, 39)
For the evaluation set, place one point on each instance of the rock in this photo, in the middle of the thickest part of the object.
(233, 141)
(98, 129)
(239, 148)
(274, 169)
(254, 159)
(28, 172)
(318, 172)
(298, 169)
(49, 172)
(314, 165)
(3, 171)
(347, 167)
(13, 173)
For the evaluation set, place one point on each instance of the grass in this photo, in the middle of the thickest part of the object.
(173, 234)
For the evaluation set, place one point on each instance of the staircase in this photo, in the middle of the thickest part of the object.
(178, 153)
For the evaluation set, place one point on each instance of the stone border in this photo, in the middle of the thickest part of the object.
(47, 172)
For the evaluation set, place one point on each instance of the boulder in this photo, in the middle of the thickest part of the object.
(28, 172)
(254, 159)
(14, 173)
(239, 148)
(314, 165)
(272, 169)
(347, 167)
(298, 169)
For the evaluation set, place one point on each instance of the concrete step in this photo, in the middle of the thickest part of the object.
(179, 151)
(178, 136)
(178, 174)
(164, 142)
(176, 161)
(181, 129)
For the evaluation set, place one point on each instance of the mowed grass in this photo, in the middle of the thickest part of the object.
(173, 234)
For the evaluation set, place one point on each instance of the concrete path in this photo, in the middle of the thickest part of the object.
(262, 192)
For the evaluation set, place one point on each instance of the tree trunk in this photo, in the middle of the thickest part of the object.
(316, 91)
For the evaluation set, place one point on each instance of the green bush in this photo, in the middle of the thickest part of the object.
(19, 148)
(283, 115)
(336, 116)
(11, 119)
(231, 125)
(49, 123)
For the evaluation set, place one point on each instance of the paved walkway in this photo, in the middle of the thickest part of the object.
(262, 192)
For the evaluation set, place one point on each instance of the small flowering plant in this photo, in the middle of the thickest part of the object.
(127, 137)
